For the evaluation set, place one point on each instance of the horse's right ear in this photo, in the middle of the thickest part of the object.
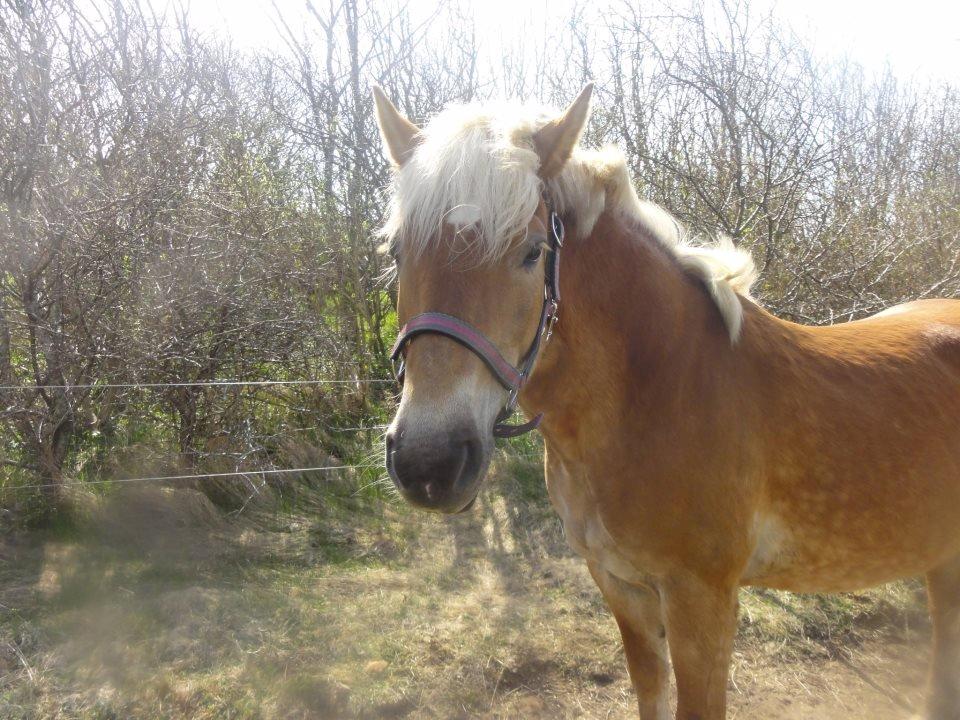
(554, 142)
(399, 134)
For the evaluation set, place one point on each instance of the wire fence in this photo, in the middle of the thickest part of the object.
(208, 383)
(200, 476)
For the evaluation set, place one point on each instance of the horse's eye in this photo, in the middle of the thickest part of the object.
(531, 259)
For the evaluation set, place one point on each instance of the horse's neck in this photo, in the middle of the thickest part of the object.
(633, 329)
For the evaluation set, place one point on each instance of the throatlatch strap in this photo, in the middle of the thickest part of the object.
(505, 430)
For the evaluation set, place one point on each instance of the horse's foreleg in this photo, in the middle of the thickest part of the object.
(943, 587)
(701, 624)
(638, 613)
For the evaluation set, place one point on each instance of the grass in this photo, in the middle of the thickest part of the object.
(349, 605)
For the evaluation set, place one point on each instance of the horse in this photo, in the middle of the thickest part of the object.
(694, 442)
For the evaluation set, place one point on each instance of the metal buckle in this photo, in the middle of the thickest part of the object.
(397, 365)
(398, 371)
(552, 317)
(556, 226)
(512, 401)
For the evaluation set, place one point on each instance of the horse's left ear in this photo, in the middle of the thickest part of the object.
(554, 142)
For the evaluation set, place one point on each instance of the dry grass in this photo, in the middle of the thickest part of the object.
(381, 612)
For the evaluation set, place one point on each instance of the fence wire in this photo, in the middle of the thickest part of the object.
(209, 383)
(201, 476)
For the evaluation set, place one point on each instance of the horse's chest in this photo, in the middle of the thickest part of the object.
(583, 525)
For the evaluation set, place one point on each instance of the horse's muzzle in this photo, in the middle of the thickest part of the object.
(437, 472)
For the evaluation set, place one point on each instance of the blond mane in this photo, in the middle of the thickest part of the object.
(476, 166)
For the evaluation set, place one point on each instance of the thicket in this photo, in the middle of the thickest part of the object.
(175, 211)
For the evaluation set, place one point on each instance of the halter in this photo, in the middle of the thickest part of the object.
(512, 378)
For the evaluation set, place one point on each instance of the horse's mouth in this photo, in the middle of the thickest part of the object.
(469, 505)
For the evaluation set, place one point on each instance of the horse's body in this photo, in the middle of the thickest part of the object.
(805, 449)
(805, 459)
(696, 444)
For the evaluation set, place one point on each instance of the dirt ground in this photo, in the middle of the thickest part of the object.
(170, 610)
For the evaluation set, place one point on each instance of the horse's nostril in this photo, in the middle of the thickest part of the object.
(472, 452)
(391, 459)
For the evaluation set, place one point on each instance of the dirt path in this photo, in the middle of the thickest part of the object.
(882, 680)
(486, 615)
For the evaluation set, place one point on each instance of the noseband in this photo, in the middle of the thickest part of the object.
(512, 378)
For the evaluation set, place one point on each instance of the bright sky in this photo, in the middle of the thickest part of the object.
(919, 38)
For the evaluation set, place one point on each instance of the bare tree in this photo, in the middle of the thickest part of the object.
(175, 212)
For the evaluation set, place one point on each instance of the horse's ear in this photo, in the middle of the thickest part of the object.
(554, 142)
(399, 134)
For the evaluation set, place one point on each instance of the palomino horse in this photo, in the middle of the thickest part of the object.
(694, 442)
